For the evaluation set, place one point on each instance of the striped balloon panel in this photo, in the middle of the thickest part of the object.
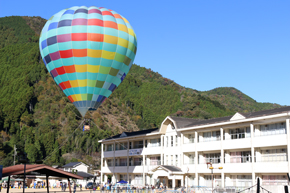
(88, 52)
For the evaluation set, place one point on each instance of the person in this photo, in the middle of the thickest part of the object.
(64, 187)
(102, 188)
(75, 187)
(61, 186)
(95, 188)
(81, 186)
(108, 188)
(182, 189)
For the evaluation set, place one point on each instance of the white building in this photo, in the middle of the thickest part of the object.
(247, 146)
(80, 169)
(77, 166)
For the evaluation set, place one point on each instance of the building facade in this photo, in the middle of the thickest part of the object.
(247, 146)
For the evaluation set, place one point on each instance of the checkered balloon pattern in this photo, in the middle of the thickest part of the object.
(88, 52)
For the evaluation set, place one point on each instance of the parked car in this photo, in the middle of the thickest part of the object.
(90, 185)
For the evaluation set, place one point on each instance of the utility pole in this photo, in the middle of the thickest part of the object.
(15, 153)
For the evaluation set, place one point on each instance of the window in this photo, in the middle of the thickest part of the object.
(171, 159)
(191, 138)
(155, 142)
(110, 147)
(240, 157)
(166, 159)
(274, 155)
(167, 140)
(243, 181)
(208, 181)
(213, 157)
(138, 180)
(123, 162)
(110, 162)
(176, 140)
(138, 144)
(154, 161)
(274, 180)
(206, 136)
(176, 160)
(191, 158)
(211, 136)
(122, 146)
(273, 129)
(123, 177)
(240, 133)
(171, 141)
(137, 161)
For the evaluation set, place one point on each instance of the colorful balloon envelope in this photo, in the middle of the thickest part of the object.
(88, 52)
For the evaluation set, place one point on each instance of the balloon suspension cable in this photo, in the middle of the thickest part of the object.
(62, 144)
(108, 137)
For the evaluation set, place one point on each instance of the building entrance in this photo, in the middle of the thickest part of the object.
(162, 181)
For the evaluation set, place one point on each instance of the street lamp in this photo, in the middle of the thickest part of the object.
(209, 166)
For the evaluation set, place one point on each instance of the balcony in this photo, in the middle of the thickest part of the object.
(276, 140)
(236, 143)
(153, 149)
(209, 144)
(188, 147)
(272, 158)
(108, 154)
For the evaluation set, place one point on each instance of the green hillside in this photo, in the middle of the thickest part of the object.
(38, 118)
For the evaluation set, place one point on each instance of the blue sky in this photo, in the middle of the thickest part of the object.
(201, 44)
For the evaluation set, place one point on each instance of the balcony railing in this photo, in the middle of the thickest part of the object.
(214, 160)
(110, 149)
(120, 164)
(189, 141)
(121, 148)
(155, 162)
(153, 145)
(218, 138)
(110, 164)
(237, 136)
(270, 132)
(272, 158)
(138, 146)
(191, 162)
(239, 159)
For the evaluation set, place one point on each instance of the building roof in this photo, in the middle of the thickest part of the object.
(85, 174)
(181, 122)
(172, 168)
(187, 122)
(72, 164)
(38, 168)
(134, 133)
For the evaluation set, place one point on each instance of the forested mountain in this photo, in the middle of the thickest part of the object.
(38, 118)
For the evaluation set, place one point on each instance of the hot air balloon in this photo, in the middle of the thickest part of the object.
(88, 51)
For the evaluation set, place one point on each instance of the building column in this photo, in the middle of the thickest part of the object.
(173, 182)
(252, 153)
(128, 164)
(102, 155)
(288, 142)
(182, 181)
(222, 157)
(161, 155)
(143, 181)
(181, 155)
(196, 158)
